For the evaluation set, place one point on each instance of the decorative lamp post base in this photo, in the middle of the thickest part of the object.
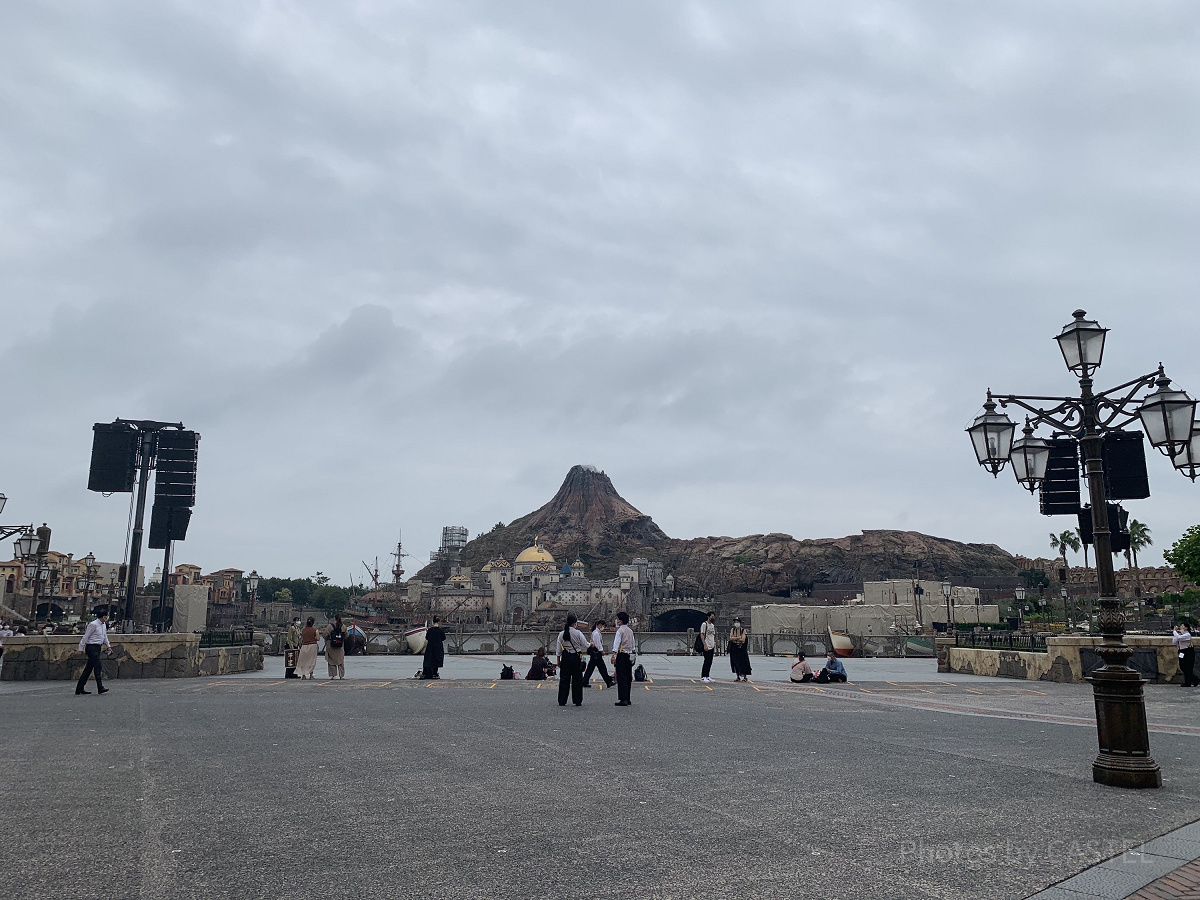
(1124, 760)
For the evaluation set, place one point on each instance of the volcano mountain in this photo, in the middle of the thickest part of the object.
(590, 520)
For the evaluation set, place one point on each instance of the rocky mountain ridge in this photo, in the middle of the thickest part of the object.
(588, 518)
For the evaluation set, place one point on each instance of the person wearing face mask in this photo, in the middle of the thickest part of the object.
(739, 653)
(708, 641)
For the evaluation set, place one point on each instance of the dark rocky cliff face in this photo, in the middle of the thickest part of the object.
(588, 518)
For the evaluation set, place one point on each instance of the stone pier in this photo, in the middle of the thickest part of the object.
(57, 657)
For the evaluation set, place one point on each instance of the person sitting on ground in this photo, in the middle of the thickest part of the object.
(801, 671)
(537, 666)
(833, 671)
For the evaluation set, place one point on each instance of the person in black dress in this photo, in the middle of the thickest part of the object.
(739, 652)
(435, 653)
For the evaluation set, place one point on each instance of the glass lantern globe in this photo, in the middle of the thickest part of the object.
(26, 545)
(1167, 416)
(1030, 457)
(1187, 458)
(1082, 344)
(992, 437)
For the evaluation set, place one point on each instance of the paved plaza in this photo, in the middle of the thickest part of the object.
(902, 784)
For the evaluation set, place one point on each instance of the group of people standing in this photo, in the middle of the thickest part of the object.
(570, 647)
(739, 650)
(306, 640)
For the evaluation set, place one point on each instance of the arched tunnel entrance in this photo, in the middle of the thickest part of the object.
(678, 620)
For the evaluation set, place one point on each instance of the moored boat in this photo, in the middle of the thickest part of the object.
(415, 637)
(840, 643)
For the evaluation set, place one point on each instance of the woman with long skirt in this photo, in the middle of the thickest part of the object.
(308, 649)
(739, 654)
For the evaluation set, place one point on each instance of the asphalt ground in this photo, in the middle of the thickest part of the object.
(252, 787)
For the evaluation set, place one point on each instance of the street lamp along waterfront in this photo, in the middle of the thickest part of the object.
(252, 581)
(1168, 417)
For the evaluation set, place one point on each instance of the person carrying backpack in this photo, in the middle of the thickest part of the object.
(335, 649)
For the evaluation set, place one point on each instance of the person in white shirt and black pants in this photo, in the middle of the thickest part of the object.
(708, 640)
(570, 647)
(623, 651)
(1182, 639)
(93, 639)
(596, 657)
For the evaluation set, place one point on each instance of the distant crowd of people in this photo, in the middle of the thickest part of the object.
(571, 646)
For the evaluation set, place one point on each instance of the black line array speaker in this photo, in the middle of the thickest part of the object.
(175, 474)
(1118, 524)
(114, 458)
(1060, 490)
(168, 523)
(1125, 475)
(1118, 527)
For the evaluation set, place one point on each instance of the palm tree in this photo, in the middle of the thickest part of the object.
(1139, 539)
(1068, 540)
(1061, 543)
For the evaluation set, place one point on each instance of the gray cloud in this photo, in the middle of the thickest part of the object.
(403, 266)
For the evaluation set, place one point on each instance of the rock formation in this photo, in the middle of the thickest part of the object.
(589, 519)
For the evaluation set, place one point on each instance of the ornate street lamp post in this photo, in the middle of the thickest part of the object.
(89, 583)
(252, 581)
(1168, 417)
(1020, 595)
(947, 589)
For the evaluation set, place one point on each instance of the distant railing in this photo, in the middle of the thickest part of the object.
(235, 638)
(1001, 640)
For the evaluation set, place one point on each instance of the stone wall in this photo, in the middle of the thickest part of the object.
(57, 658)
(1067, 659)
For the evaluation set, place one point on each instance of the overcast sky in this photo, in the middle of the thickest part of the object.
(403, 264)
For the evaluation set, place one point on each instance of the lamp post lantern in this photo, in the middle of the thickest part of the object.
(946, 592)
(1168, 417)
(89, 583)
(1019, 593)
(252, 581)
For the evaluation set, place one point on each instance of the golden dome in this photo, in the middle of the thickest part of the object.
(535, 554)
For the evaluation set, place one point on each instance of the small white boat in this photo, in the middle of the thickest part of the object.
(415, 638)
(840, 643)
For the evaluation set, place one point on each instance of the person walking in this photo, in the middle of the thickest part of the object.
(596, 657)
(623, 651)
(1182, 639)
(308, 649)
(570, 647)
(708, 638)
(5, 631)
(93, 638)
(335, 649)
(292, 649)
(739, 652)
(435, 651)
